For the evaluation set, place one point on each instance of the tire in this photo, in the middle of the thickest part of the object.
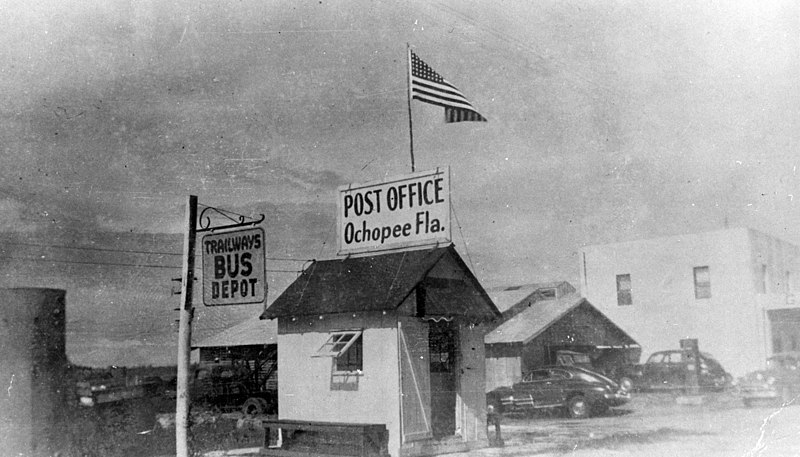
(578, 407)
(264, 405)
(254, 406)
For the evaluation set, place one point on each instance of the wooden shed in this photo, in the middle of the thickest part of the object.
(540, 325)
(253, 342)
(393, 339)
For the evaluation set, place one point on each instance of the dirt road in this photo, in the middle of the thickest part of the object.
(656, 426)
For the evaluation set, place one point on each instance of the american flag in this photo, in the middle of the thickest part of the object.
(429, 87)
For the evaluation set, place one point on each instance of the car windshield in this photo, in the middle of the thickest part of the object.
(572, 358)
(581, 358)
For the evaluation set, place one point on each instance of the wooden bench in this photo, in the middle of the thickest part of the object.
(322, 439)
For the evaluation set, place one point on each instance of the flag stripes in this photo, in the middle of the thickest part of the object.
(429, 87)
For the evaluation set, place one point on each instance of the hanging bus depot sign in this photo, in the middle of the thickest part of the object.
(404, 211)
(234, 271)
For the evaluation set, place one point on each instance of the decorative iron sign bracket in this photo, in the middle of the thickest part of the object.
(204, 220)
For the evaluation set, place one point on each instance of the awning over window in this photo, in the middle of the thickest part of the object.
(338, 343)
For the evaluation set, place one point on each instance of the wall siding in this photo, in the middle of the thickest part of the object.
(304, 388)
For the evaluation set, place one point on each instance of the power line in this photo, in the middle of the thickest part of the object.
(87, 248)
(129, 251)
(466, 248)
(79, 262)
(118, 264)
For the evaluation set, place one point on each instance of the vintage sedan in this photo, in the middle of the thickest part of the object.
(778, 383)
(577, 391)
(668, 370)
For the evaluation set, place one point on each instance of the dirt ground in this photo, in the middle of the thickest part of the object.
(656, 425)
(145, 428)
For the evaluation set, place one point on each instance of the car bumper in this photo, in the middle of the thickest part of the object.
(617, 399)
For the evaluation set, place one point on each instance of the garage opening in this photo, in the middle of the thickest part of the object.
(785, 329)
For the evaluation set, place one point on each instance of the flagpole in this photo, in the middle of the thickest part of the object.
(410, 125)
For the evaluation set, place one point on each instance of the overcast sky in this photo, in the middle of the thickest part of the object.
(608, 121)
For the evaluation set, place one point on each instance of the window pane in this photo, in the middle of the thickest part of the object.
(337, 343)
(624, 295)
(351, 359)
(702, 282)
(762, 279)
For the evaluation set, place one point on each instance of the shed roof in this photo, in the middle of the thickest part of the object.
(505, 297)
(251, 332)
(531, 322)
(379, 283)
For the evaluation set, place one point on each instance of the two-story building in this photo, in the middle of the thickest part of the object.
(732, 289)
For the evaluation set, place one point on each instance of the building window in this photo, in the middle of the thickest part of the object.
(624, 297)
(787, 283)
(346, 348)
(702, 282)
(352, 359)
(762, 279)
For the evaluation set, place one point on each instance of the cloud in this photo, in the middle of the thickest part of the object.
(13, 217)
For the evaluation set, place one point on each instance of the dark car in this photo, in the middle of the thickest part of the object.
(577, 391)
(668, 370)
(620, 371)
(778, 383)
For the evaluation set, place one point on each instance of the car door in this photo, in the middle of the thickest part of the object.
(652, 370)
(531, 391)
(554, 389)
(675, 369)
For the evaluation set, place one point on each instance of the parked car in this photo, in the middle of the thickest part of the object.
(577, 391)
(228, 386)
(621, 372)
(779, 382)
(667, 370)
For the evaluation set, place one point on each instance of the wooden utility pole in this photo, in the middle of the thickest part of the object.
(185, 331)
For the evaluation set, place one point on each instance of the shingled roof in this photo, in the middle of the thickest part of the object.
(540, 315)
(378, 283)
(252, 332)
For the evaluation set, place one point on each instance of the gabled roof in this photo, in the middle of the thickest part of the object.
(505, 297)
(534, 320)
(251, 332)
(379, 283)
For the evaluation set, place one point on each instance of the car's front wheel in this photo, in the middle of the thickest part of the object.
(578, 408)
